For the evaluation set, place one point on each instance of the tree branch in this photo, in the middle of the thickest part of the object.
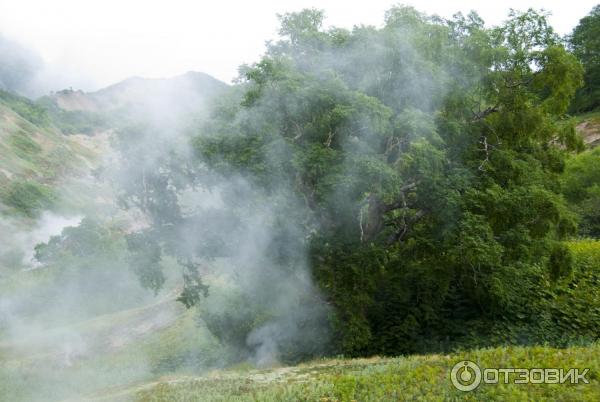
(400, 203)
(484, 113)
(401, 232)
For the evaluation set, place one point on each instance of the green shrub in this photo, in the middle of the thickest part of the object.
(28, 197)
(561, 262)
(581, 186)
(586, 253)
(24, 146)
(574, 303)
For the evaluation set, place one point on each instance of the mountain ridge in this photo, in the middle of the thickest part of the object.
(138, 89)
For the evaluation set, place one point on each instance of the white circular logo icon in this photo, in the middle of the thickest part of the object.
(465, 375)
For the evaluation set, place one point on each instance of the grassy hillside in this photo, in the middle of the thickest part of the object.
(425, 378)
(32, 146)
(36, 157)
(82, 322)
(63, 135)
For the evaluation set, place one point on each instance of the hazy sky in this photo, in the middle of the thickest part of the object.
(99, 42)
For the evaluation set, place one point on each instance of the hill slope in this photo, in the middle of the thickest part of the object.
(589, 128)
(169, 99)
(67, 133)
(378, 379)
(83, 323)
(37, 156)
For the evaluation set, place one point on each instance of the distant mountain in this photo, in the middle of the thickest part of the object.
(191, 85)
(190, 91)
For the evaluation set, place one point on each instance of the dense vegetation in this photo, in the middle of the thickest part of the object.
(582, 189)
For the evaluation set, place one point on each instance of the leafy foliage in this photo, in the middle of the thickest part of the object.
(582, 188)
(586, 45)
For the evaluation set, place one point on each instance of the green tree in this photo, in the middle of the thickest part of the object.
(419, 162)
(585, 42)
(428, 156)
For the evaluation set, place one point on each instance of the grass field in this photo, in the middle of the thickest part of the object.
(425, 378)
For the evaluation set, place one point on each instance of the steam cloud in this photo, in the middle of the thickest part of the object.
(64, 321)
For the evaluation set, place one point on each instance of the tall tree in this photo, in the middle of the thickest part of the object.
(427, 153)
